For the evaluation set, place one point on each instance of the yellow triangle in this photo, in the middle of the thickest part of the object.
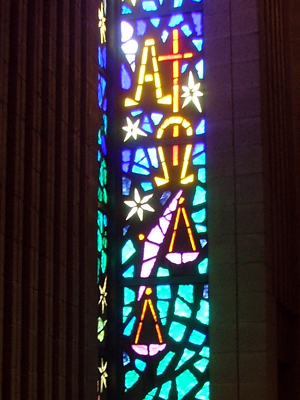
(129, 102)
(187, 179)
(165, 100)
(160, 181)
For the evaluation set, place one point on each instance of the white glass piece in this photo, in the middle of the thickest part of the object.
(141, 349)
(147, 267)
(150, 250)
(164, 224)
(141, 292)
(189, 257)
(156, 235)
(130, 47)
(126, 31)
(174, 258)
(155, 348)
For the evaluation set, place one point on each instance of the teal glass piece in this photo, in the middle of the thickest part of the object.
(156, 118)
(177, 3)
(203, 313)
(165, 390)
(186, 30)
(202, 175)
(151, 394)
(99, 241)
(147, 186)
(162, 272)
(200, 159)
(149, 5)
(184, 67)
(127, 251)
(163, 364)
(185, 383)
(126, 312)
(129, 327)
(162, 307)
(153, 157)
(200, 196)
(186, 292)
(202, 364)
(205, 352)
(126, 10)
(140, 365)
(103, 261)
(129, 296)
(140, 158)
(197, 19)
(200, 130)
(198, 43)
(199, 216)
(197, 338)
(131, 377)
(187, 354)
(177, 331)
(200, 69)
(182, 309)
(163, 292)
(198, 148)
(155, 22)
(203, 394)
(129, 273)
(175, 20)
(98, 269)
(164, 36)
(200, 228)
(140, 170)
(202, 267)
(135, 113)
(146, 126)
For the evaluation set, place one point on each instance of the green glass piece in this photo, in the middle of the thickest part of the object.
(129, 327)
(127, 251)
(199, 216)
(197, 337)
(203, 313)
(165, 362)
(99, 241)
(162, 272)
(200, 228)
(205, 352)
(182, 309)
(165, 390)
(176, 331)
(186, 292)
(126, 312)
(163, 292)
(104, 196)
(100, 195)
(103, 261)
(140, 365)
(202, 364)
(200, 196)
(185, 383)
(131, 377)
(203, 394)
(163, 306)
(202, 267)
(129, 272)
(202, 175)
(187, 354)
(129, 296)
(151, 394)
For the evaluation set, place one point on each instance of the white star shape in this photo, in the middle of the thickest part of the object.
(103, 294)
(133, 130)
(192, 93)
(102, 24)
(139, 205)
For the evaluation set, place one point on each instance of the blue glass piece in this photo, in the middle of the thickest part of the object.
(202, 267)
(126, 359)
(182, 309)
(98, 156)
(197, 338)
(187, 354)
(100, 57)
(126, 312)
(176, 331)
(201, 128)
(200, 228)
(164, 36)
(151, 394)
(205, 292)
(140, 365)
(200, 69)
(184, 67)
(101, 90)
(125, 78)
(202, 175)
(162, 272)
(141, 27)
(104, 56)
(163, 292)
(163, 364)
(199, 216)
(126, 10)
(199, 147)
(175, 20)
(125, 167)
(156, 118)
(203, 242)
(177, 3)
(200, 160)
(165, 390)
(200, 196)
(129, 273)
(186, 292)
(140, 158)
(162, 307)
(197, 19)
(125, 229)
(127, 251)
(103, 145)
(126, 183)
(135, 113)
(149, 5)
(185, 383)
(146, 125)
(129, 296)
(203, 313)
(164, 198)
(186, 30)
(131, 377)
(104, 107)
(139, 170)
(155, 22)
(203, 394)
(126, 154)
(153, 157)
(147, 186)
(129, 327)
(205, 352)
(198, 43)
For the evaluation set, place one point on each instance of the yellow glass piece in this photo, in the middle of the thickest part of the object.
(129, 102)
(175, 120)
(166, 179)
(148, 291)
(187, 223)
(154, 316)
(165, 100)
(175, 156)
(141, 236)
(181, 200)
